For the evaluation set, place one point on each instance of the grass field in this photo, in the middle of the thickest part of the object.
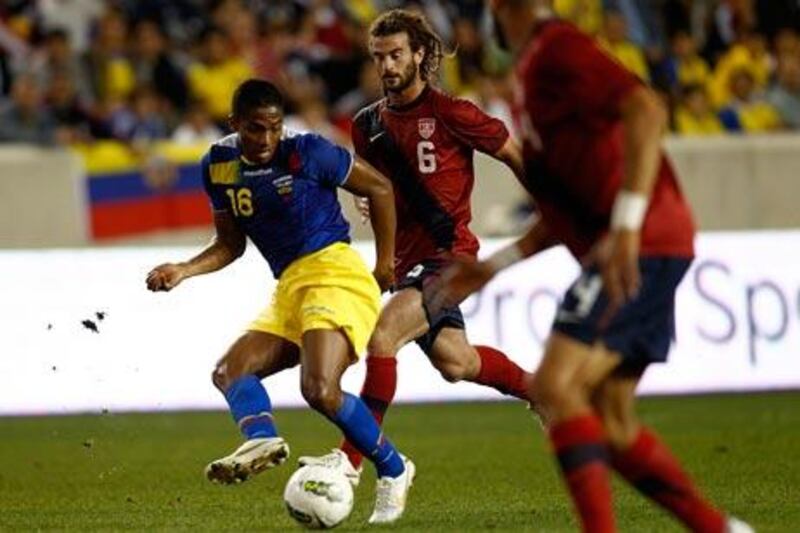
(481, 467)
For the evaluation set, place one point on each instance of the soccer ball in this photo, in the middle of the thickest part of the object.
(318, 497)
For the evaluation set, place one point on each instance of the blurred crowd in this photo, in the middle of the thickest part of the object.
(73, 71)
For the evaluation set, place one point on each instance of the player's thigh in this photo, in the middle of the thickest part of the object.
(401, 320)
(453, 355)
(255, 352)
(572, 368)
(615, 401)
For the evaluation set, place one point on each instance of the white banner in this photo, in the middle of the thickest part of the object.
(81, 332)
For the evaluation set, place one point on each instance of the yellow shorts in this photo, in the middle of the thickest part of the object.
(331, 288)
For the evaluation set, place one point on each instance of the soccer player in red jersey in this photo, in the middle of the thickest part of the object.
(604, 188)
(424, 141)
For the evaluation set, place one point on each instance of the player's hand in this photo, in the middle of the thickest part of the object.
(362, 206)
(456, 282)
(617, 259)
(165, 277)
(384, 275)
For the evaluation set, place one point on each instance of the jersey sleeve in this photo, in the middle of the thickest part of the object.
(587, 76)
(472, 125)
(217, 199)
(359, 140)
(328, 163)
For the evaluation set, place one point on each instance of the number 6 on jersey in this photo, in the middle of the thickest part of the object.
(426, 157)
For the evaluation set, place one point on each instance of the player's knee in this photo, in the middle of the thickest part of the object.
(453, 371)
(321, 395)
(553, 391)
(220, 378)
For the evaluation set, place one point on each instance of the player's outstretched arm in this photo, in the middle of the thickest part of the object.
(463, 277)
(365, 181)
(227, 245)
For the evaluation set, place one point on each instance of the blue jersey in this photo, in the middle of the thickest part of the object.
(287, 207)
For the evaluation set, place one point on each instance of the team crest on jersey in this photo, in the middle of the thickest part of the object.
(283, 185)
(426, 127)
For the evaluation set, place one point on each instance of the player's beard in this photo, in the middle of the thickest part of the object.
(406, 79)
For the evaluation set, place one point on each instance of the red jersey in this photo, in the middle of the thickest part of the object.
(570, 94)
(426, 149)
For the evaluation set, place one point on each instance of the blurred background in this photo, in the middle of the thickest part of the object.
(106, 106)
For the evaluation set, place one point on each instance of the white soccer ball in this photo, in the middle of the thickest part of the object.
(318, 497)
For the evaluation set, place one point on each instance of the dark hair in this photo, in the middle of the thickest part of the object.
(253, 94)
(420, 35)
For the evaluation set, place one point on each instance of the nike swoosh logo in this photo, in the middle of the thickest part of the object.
(375, 137)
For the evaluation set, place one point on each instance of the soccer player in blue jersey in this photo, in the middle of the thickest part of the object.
(280, 191)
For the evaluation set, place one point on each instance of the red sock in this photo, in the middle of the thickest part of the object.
(380, 384)
(582, 453)
(501, 373)
(650, 467)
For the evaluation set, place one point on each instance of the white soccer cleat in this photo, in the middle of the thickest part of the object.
(336, 460)
(252, 457)
(734, 525)
(391, 494)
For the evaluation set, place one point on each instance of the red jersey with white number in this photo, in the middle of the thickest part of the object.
(426, 149)
(570, 95)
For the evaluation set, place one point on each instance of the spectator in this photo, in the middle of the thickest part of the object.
(243, 33)
(615, 40)
(364, 11)
(461, 71)
(694, 115)
(312, 117)
(271, 55)
(154, 66)
(142, 122)
(325, 26)
(786, 43)
(197, 127)
(732, 20)
(748, 111)
(74, 17)
(215, 77)
(110, 73)
(22, 119)
(644, 24)
(785, 95)
(56, 58)
(685, 66)
(750, 54)
(69, 110)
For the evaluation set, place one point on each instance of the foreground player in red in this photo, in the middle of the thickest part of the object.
(424, 141)
(605, 190)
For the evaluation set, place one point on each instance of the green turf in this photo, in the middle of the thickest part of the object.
(480, 467)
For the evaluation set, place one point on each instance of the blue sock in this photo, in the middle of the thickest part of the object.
(361, 429)
(250, 406)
